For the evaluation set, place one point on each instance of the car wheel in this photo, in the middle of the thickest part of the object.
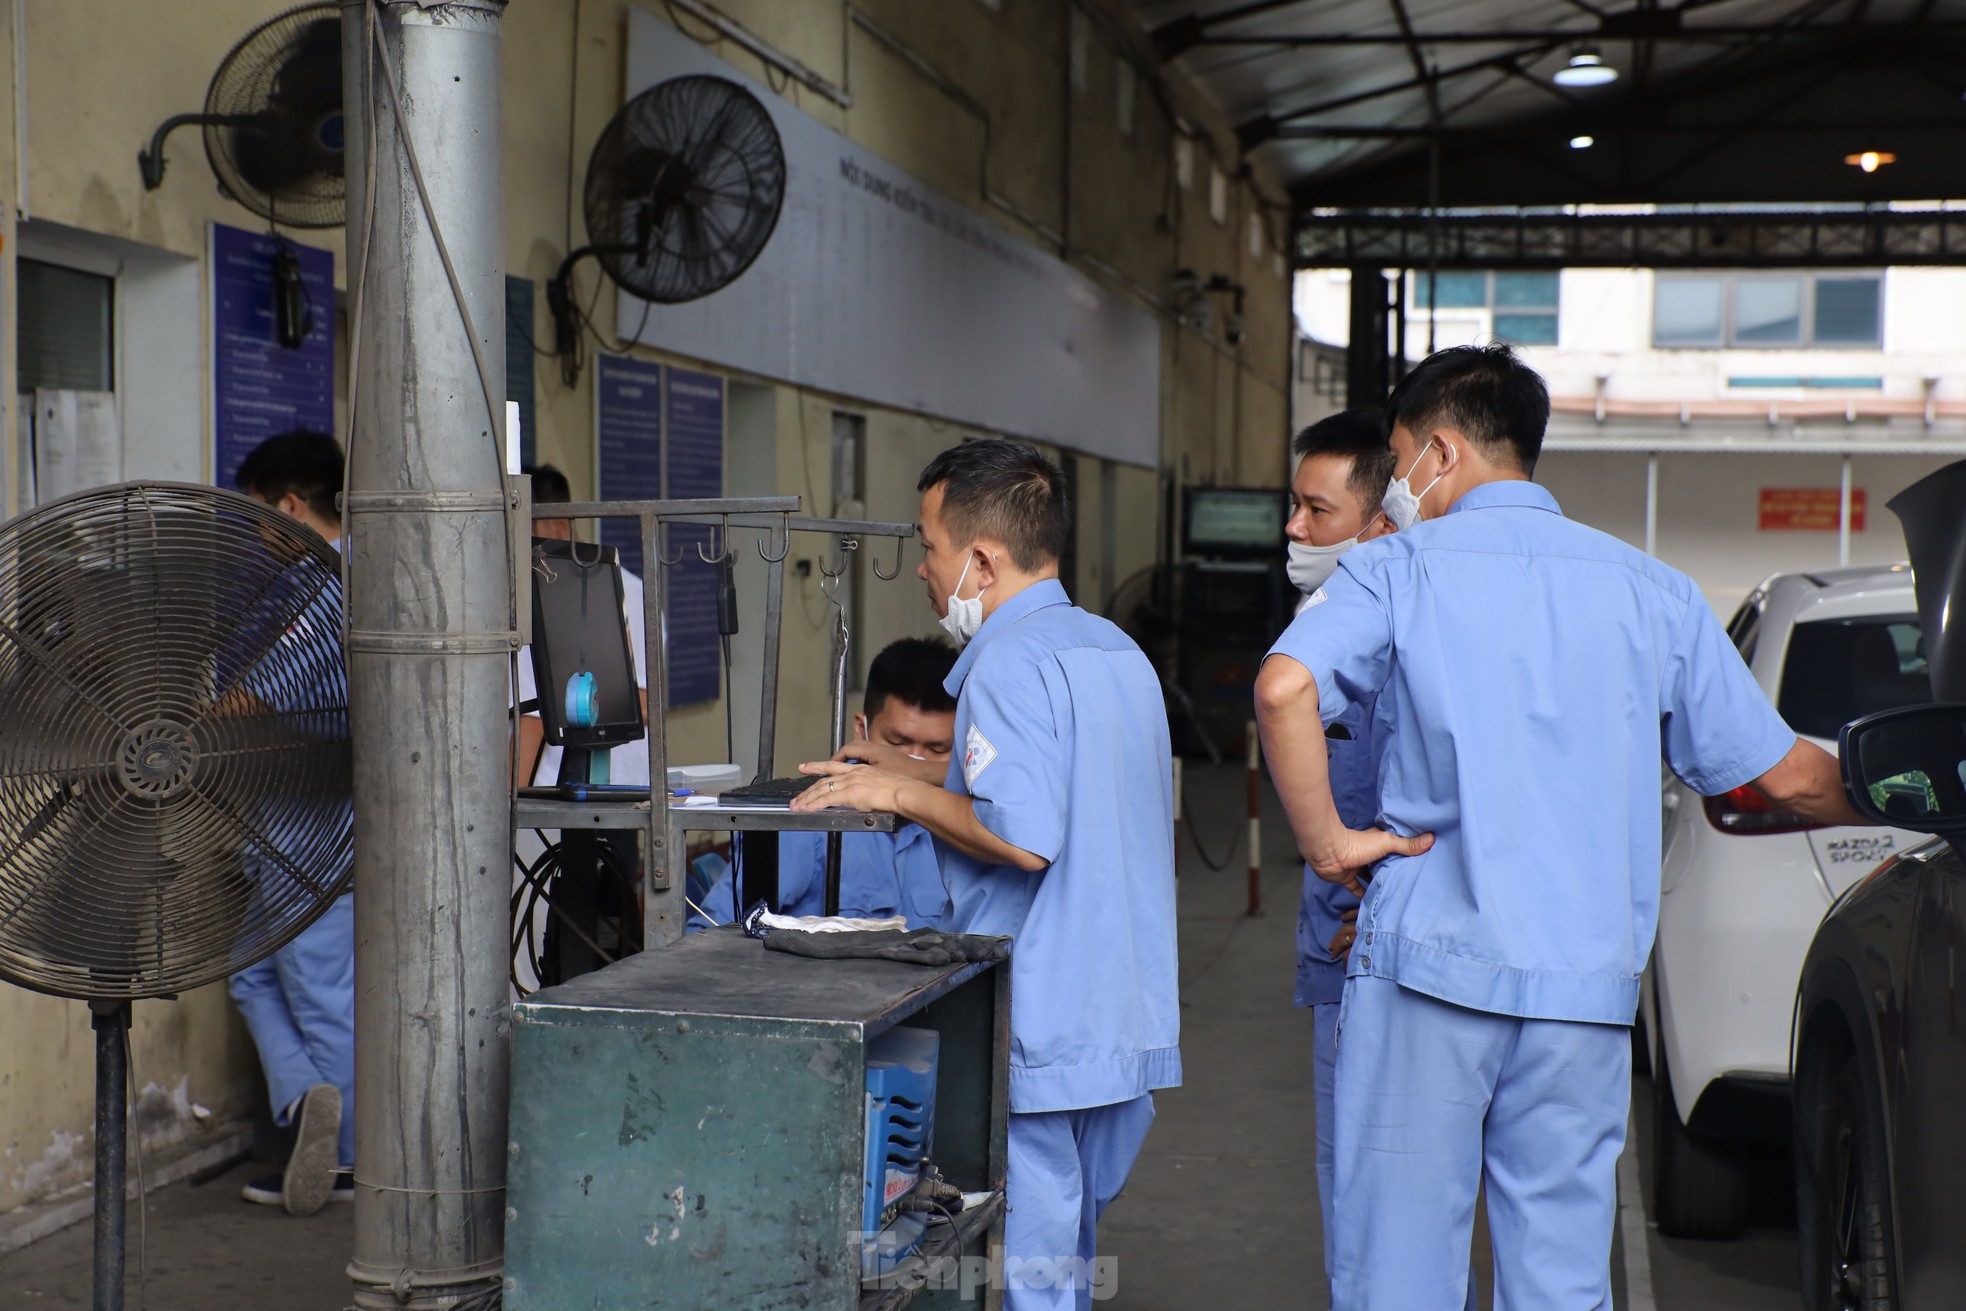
(1699, 1184)
(1847, 1229)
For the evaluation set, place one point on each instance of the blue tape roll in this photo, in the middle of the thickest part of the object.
(583, 700)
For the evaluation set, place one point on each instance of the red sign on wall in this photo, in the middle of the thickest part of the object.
(1809, 509)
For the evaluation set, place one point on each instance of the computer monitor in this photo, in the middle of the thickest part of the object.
(1233, 520)
(580, 625)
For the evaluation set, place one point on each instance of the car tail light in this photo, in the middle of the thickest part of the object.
(1746, 811)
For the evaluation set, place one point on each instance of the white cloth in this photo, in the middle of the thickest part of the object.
(628, 763)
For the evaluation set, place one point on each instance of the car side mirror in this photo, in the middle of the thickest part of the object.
(1907, 767)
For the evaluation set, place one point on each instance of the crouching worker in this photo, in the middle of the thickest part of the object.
(907, 722)
(299, 1003)
(1055, 826)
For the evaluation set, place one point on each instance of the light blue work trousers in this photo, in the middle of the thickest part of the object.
(299, 1005)
(1064, 1168)
(1435, 1100)
(1324, 1082)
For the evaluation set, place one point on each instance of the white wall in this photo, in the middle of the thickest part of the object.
(1709, 510)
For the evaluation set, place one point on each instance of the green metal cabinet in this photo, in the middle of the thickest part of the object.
(688, 1125)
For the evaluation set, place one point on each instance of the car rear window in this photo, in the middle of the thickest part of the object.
(1838, 670)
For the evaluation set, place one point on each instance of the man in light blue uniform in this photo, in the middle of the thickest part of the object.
(1528, 673)
(299, 1003)
(1343, 466)
(1055, 825)
(906, 713)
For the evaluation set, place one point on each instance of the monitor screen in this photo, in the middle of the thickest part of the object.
(1234, 519)
(580, 625)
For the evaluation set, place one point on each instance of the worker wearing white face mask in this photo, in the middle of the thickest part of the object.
(1528, 674)
(1055, 825)
(1343, 467)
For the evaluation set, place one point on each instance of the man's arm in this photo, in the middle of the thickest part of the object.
(1293, 743)
(532, 738)
(893, 759)
(1809, 782)
(950, 816)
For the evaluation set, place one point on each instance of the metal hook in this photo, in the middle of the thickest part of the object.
(722, 554)
(783, 551)
(665, 558)
(846, 544)
(899, 546)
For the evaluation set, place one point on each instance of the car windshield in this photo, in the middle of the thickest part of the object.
(1838, 670)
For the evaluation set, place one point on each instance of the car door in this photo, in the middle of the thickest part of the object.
(1928, 1127)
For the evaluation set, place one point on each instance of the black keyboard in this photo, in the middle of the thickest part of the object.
(769, 792)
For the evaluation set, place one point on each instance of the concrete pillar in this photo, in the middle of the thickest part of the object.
(1368, 362)
(430, 636)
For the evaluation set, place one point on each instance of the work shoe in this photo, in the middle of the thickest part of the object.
(265, 1190)
(310, 1172)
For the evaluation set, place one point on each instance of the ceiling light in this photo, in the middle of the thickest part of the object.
(1583, 142)
(1586, 68)
(1871, 160)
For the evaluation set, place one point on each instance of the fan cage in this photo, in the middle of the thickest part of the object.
(275, 134)
(175, 764)
(684, 188)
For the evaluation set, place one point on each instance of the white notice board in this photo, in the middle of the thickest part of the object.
(877, 286)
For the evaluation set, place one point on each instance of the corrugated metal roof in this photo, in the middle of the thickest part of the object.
(1747, 100)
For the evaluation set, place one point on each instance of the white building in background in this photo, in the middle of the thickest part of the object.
(1735, 423)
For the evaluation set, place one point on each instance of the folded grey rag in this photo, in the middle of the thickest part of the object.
(914, 947)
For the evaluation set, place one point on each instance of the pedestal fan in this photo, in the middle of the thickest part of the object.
(175, 767)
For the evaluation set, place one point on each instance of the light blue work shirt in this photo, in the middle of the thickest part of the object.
(1061, 739)
(881, 875)
(1355, 787)
(1529, 673)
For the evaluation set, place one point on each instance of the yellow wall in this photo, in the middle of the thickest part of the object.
(972, 99)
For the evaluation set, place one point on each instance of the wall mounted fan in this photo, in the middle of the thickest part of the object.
(683, 191)
(175, 767)
(273, 121)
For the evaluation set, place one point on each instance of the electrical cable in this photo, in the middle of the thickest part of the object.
(699, 910)
(538, 879)
(1194, 836)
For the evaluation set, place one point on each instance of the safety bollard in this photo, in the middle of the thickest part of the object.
(1255, 823)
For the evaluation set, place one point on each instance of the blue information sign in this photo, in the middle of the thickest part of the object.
(694, 447)
(629, 427)
(259, 386)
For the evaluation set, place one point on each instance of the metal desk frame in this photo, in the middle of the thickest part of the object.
(663, 826)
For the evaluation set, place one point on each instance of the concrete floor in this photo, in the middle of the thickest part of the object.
(1221, 1210)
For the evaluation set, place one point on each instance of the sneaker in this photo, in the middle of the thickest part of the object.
(310, 1173)
(266, 1190)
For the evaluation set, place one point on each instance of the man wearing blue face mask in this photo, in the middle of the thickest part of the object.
(1528, 674)
(1055, 825)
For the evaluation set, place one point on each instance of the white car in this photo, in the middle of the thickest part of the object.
(1743, 888)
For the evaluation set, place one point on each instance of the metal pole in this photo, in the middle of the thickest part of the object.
(1255, 821)
(1843, 517)
(430, 639)
(111, 1021)
(1652, 503)
(841, 640)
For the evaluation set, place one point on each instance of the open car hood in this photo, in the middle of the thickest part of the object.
(1933, 512)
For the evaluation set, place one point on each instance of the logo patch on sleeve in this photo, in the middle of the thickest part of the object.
(977, 755)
